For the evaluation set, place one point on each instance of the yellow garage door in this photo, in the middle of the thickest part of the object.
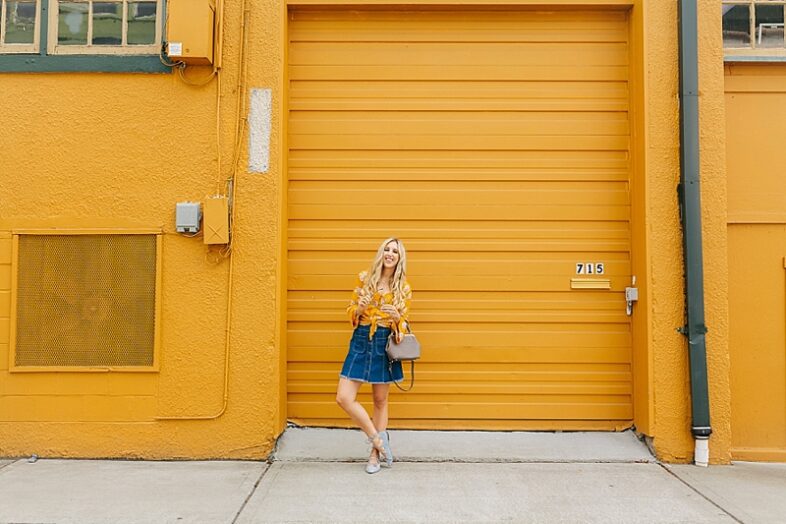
(496, 145)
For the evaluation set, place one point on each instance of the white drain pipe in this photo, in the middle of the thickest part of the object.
(701, 452)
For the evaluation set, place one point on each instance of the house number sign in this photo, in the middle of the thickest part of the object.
(590, 268)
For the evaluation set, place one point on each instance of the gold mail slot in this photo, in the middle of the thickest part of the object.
(590, 283)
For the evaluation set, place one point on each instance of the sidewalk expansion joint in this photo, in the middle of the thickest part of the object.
(251, 493)
(11, 462)
(699, 493)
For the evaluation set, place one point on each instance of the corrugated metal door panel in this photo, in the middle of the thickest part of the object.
(495, 143)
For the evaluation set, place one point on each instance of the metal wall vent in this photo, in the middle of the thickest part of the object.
(86, 300)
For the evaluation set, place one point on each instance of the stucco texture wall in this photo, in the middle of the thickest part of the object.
(119, 150)
(671, 379)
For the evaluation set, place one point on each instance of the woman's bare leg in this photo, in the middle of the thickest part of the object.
(380, 419)
(380, 392)
(346, 397)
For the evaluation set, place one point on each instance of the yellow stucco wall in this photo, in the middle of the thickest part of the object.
(87, 150)
(115, 150)
(671, 386)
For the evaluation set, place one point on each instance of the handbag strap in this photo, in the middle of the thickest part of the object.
(411, 364)
(411, 373)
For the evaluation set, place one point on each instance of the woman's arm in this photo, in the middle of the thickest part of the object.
(359, 302)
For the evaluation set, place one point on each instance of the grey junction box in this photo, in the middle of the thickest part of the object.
(188, 215)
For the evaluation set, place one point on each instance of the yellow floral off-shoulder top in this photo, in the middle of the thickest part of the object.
(373, 315)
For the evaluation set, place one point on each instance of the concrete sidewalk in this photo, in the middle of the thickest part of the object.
(550, 477)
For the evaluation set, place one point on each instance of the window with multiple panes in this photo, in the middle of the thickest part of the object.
(87, 27)
(754, 28)
(19, 26)
(106, 27)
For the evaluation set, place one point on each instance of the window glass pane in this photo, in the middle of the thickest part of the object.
(107, 23)
(20, 22)
(72, 23)
(736, 26)
(141, 22)
(769, 26)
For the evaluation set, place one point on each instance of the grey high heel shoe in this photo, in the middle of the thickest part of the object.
(386, 446)
(372, 467)
(381, 453)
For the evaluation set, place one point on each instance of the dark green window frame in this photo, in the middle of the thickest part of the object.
(42, 62)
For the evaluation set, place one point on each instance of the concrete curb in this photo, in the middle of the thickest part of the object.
(471, 447)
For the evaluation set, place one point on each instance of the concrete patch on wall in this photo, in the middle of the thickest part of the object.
(259, 130)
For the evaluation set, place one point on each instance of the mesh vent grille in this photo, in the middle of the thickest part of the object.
(86, 300)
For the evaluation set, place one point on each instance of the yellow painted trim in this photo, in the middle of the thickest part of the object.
(641, 321)
(763, 85)
(483, 424)
(154, 368)
(759, 454)
(88, 231)
(282, 295)
(755, 83)
(483, 3)
(590, 283)
(158, 308)
(84, 369)
(14, 285)
(756, 218)
(731, 52)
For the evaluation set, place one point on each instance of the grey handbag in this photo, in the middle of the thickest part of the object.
(407, 349)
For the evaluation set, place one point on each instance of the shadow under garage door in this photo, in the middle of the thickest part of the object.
(496, 145)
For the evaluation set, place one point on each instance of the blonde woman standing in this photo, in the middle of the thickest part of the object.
(379, 307)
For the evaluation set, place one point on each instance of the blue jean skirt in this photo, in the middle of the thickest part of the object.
(367, 360)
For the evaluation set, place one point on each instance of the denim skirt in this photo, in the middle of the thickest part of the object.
(367, 360)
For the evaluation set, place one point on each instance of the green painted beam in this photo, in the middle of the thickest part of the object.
(81, 64)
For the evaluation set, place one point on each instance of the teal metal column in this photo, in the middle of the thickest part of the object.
(690, 212)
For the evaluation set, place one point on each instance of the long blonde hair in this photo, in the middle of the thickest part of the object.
(374, 274)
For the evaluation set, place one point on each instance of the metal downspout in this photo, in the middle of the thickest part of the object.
(690, 213)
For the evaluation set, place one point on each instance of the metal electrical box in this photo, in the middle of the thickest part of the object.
(190, 31)
(188, 216)
(216, 220)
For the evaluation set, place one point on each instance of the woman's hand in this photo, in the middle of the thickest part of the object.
(391, 311)
(363, 303)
